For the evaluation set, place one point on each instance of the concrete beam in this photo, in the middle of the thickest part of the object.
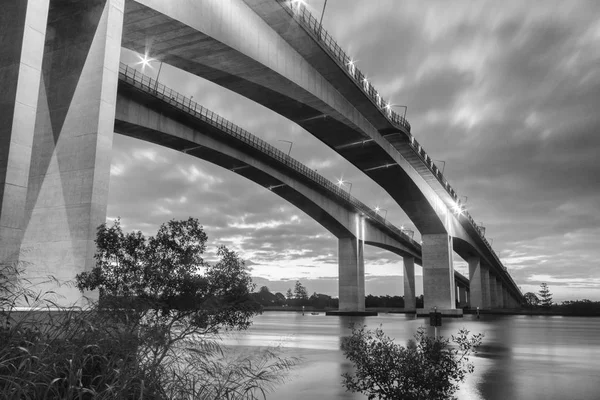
(410, 301)
(22, 33)
(351, 274)
(71, 154)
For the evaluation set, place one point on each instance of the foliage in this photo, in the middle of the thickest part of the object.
(531, 300)
(300, 292)
(165, 278)
(545, 296)
(426, 369)
(289, 295)
(141, 341)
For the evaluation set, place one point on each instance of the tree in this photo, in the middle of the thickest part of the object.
(264, 289)
(165, 280)
(289, 295)
(545, 296)
(531, 300)
(300, 292)
(426, 369)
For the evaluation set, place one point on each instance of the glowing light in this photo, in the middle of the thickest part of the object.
(458, 208)
(377, 209)
(145, 61)
(340, 182)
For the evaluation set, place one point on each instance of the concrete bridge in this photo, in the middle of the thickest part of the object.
(149, 111)
(60, 70)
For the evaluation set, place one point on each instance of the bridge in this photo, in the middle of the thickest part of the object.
(150, 111)
(59, 104)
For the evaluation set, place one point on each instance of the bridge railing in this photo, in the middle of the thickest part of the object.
(312, 25)
(175, 99)
(347, 64)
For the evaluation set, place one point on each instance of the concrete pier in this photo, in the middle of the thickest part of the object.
(71, 153)
(22, 33)
(410, 301)
(438, 275)
(351, 275)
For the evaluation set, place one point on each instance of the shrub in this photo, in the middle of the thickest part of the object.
(427, 369)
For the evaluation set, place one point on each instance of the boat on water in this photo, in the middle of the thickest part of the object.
(314, 313)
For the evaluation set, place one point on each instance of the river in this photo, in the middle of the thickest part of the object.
(522, 357)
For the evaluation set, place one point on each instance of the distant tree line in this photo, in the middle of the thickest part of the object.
(543, 301)
(299, 297)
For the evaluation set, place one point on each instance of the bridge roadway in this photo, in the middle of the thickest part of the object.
(58, 97)
(150, 111)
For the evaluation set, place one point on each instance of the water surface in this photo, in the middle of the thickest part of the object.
(522, 357)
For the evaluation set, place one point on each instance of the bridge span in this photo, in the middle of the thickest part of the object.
(150, 111)
(60, 73)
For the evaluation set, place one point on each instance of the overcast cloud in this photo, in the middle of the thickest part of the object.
(506, 93)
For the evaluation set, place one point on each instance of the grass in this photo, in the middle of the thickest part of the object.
(51, 352)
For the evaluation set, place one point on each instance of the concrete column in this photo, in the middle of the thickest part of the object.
(351, 274)
(438, 272)
(462, 291)
(493, 295)
(71, 154)
(410, 302)
(22, 33)
(475, 282)
(499, 293)
(485, 286)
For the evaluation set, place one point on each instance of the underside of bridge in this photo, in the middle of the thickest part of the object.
(59, 93)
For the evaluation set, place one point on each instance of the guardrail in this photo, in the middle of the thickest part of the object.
(301, 14)
(175, 99)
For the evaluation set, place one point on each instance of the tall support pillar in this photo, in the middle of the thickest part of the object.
(499, 294)
(22, 33)
(351, 274)
(71, 153)
(438, 273)
(462, 291)
(493, 295)
(485, 286)
(475, 282)
(410, 301)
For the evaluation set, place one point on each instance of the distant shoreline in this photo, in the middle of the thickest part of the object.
(385, 310)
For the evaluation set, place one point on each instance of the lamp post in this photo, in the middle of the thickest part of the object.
(399, 105)
(343, 182)
(321, 21)
(377, 209)
(443, 166)
(287, 141)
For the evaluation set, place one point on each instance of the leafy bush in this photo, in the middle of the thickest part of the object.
(427, 369)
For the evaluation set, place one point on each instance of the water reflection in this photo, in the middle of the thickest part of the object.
(522, 357)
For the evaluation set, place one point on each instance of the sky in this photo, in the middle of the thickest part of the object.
(503, 95)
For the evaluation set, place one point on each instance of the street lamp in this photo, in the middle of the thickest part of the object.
(321, 21)
(398, 105)
(343, 182)
(443, 166)
(287, 141)
(377, 209)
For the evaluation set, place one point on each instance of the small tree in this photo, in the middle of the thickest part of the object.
(264, 289)
(300, 292)
(531, 300)
(545, 296)
(289, 295)
(426, 369)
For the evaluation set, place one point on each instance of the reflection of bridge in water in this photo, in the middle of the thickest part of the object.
(60, 93)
